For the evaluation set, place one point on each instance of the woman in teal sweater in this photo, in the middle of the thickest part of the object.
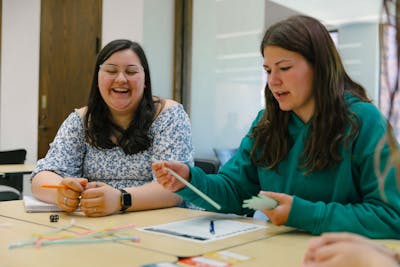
(312, 148)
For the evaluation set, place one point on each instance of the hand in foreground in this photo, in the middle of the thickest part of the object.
(346, 249)
(100, 199)
(280, 214)
(167, 180)
(68, 198)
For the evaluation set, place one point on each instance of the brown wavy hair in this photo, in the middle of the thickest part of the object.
(331, 119)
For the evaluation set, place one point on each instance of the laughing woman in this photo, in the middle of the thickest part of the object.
(102, 153)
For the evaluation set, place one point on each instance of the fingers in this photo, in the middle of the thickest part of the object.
(162, 174)
(280, 213)
(274, 195)
(76, 184)
(328, 238)
(94, 185)
(155, 166)
(99, 199)
(92, 207)
(68, 200)
(322, 256)
(89, 197)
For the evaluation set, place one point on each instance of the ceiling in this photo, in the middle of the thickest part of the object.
(336, 12)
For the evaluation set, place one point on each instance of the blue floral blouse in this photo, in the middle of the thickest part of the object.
(70, 154)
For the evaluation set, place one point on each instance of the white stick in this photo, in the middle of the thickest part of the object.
(194, 189)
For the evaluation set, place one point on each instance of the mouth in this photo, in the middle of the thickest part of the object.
(120, 90)
(280, 94)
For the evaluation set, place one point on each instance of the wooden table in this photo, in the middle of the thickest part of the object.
(99, 254)
(161, 243)
(272, 246)
(12, 175)
(16, 169)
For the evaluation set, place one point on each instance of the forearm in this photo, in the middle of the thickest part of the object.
(44, 194)
(319, 217)
(152, 196)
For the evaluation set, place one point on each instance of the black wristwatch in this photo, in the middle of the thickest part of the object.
(126, 200)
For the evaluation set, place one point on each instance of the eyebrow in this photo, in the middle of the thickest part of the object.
(279, 62)
(129, 65)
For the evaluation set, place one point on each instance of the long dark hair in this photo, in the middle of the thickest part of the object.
(99, 126)
(328, 126)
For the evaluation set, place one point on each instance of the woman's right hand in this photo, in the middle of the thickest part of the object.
(68, 198)
(166, 179)
(347, 249)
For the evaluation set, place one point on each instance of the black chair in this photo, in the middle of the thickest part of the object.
(11, 185)
(209, 166)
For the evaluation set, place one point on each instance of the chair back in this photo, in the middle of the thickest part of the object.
(209, 166)
(16, 156)
(224, 154)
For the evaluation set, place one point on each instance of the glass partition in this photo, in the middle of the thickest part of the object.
(227, 74)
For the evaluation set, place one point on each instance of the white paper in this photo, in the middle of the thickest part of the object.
(198, 229)
(35, 205)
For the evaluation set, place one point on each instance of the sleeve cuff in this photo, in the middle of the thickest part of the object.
(304, 215)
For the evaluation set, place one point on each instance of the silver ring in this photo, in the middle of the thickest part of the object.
(65, 201)
(97, 184)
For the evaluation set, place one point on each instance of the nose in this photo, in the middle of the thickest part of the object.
(120, 77)
(273, 79)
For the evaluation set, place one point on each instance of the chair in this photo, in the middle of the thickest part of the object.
(11, 184)
(209, 165)
(224, 154)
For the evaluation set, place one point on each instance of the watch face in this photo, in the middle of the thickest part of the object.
(126, 200)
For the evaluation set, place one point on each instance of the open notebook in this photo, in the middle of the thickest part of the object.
(34, 205)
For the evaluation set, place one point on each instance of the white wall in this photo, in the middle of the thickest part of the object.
(20, 76)
(19, 85)
(122, 19)
(150, 23)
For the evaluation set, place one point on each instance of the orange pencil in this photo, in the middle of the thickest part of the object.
(53, 186)
(83, 183)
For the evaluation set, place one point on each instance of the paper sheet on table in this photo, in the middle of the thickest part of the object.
(33, 204)
(198, 229)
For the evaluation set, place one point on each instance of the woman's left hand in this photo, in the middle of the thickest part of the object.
(280, 214)
(100, 199)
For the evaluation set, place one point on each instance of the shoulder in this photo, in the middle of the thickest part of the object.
(81, 112)
(361, 108)
(367, 112)
(258, 117)
(75, 120)
(372, 126)
(170, 114)
(164, 105)
(168, 103)
(72, 125)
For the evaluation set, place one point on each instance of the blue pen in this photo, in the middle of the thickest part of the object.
(212, 229)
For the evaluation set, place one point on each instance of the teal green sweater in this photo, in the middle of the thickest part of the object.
(340, 198)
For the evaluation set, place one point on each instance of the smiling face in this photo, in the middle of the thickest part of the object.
(121, 83)
(290, 78)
